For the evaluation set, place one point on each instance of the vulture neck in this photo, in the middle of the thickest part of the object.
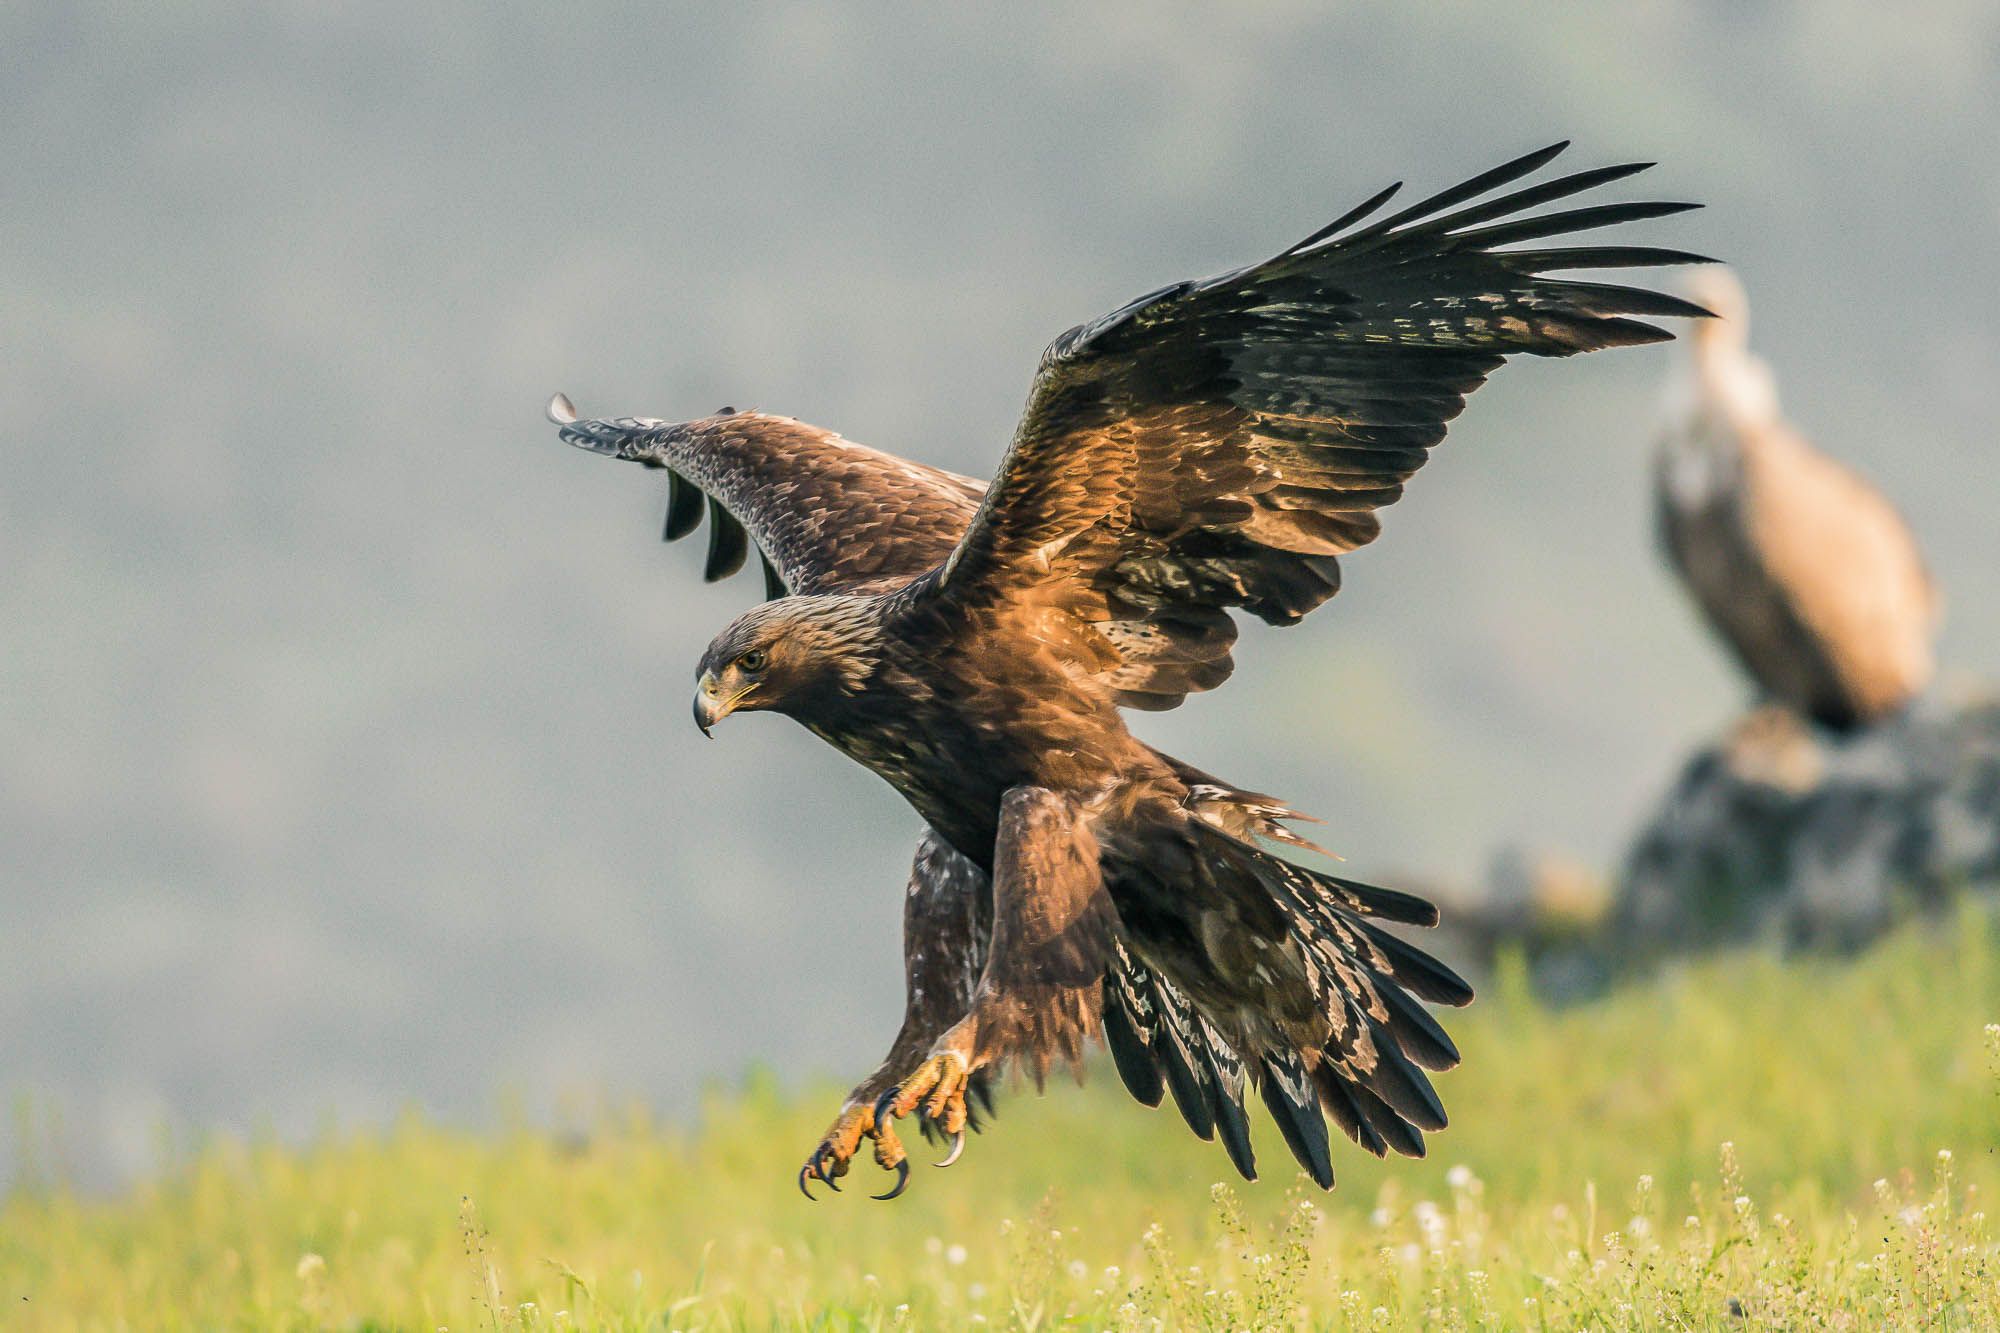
(1731, 385)
(1722, 409)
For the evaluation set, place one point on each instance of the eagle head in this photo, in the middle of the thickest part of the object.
(792, 655)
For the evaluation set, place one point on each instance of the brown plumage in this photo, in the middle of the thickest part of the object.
(1809, 575)
(1211, 447)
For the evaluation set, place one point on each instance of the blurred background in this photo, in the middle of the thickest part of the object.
(344, 755)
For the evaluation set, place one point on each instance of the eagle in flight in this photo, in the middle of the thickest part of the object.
(1211, 447)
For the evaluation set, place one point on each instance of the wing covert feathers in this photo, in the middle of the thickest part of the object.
(825, 514)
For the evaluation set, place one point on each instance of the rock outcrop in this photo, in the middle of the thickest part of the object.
(1783, 831)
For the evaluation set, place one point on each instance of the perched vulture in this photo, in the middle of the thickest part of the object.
(1807, 573)
(1211, 447)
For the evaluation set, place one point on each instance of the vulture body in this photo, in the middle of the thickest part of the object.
(1808, 574)
(1212, 447)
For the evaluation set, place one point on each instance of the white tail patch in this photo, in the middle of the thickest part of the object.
(561, 410)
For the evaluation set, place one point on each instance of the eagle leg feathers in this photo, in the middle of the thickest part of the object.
(946, 919)
(1040, 992)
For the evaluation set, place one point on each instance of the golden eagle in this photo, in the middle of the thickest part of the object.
(1809, 575)
(1212, 446)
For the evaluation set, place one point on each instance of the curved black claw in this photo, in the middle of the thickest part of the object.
(902, 1179)
(957, 1147)
(818, 1167)
(882, 1105)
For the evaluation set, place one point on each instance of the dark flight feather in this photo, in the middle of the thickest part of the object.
(1422, 1038)
(774, 582)
(1227, 1084)
(1573, 220)
(1491, 179)
(1293, 1102)
(1342, 1107)
(683, 507)
(1349, 218)
(1570, 258)
(1160, 1042)
(1397, 1081)
(1179, 1048)
(1416, 971)
(728, 544)
(1131, 1053)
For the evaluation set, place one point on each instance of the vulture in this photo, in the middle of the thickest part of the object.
(1212, 447)
(1808, 574)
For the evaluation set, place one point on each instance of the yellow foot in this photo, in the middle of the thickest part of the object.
(827, 1163)
(937, 1088)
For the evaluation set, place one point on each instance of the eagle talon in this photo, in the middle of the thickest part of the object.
(935, 1093)
(828, 1166)
(902, 1179)
(829, 1159)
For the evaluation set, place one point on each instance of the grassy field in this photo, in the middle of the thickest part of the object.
(1742, 1143)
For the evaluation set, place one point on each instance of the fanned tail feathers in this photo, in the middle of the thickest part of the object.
(1363, 1067)
(1160, 1043)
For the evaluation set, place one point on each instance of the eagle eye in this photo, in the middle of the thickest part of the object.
(754, 661)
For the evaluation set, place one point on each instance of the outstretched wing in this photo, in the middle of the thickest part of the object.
(826, 514)
(1217, 444)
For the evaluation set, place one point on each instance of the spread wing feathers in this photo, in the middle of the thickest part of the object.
(1372, 1042)
(1159, 1042)
(1217, 444)
(1367, 1076)
(1293, 1101)
(825, 514)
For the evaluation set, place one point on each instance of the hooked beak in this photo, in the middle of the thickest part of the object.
(709, 705)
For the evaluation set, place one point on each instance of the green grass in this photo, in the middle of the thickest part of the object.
(1744, 1143)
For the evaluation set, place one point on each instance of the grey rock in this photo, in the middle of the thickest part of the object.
(1778, 831)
